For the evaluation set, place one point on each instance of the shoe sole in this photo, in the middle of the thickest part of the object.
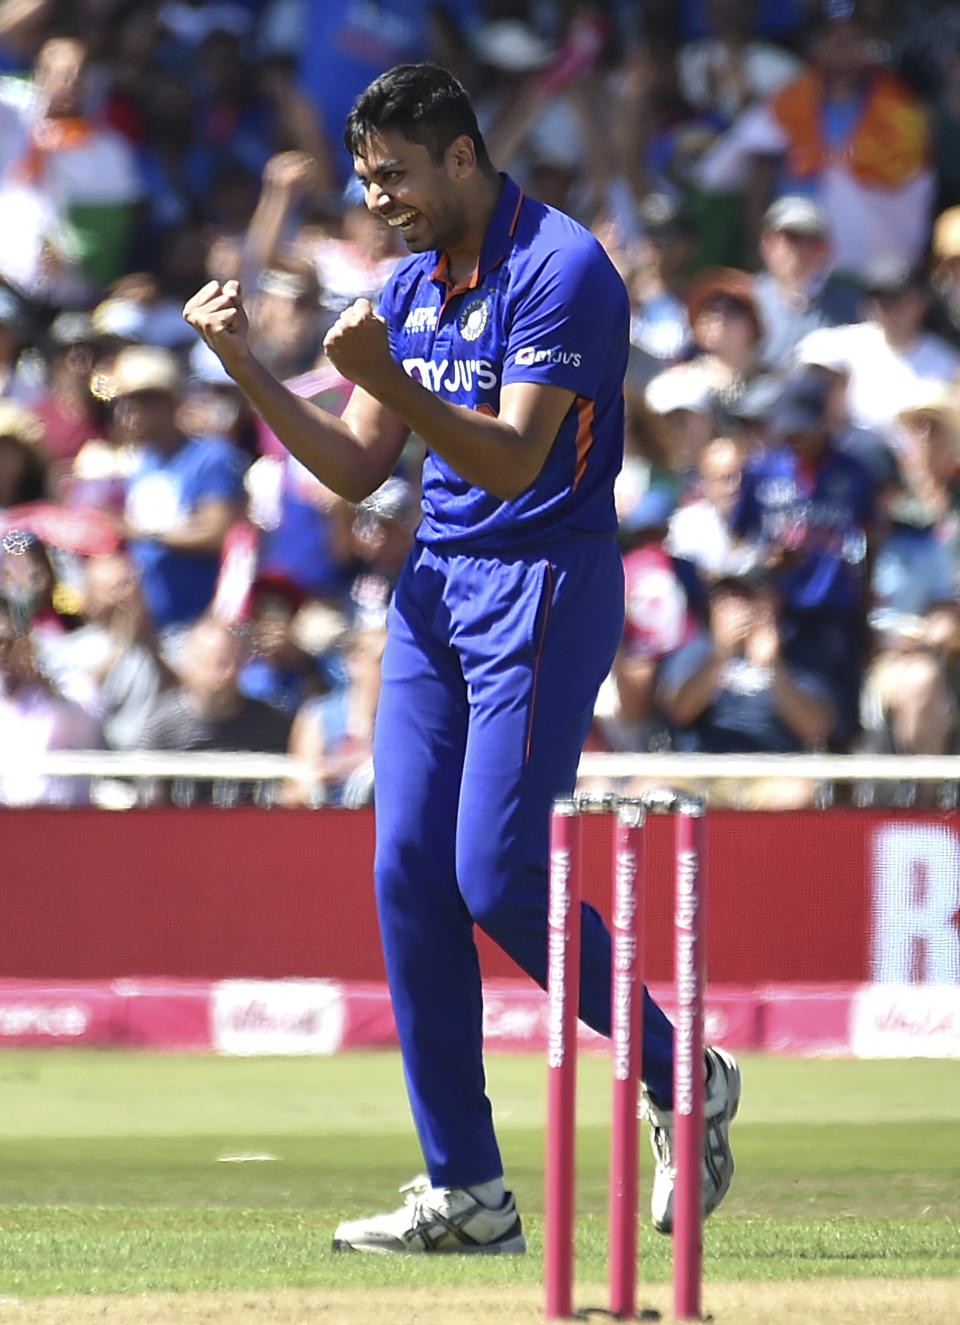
(515, 1246)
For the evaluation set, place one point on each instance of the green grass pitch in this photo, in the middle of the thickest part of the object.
(129, 1172)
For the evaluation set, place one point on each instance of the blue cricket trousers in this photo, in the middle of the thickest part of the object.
(490, 674)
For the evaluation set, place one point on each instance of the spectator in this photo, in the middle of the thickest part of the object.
(731, 691)
(732, 68)
(209, 712)
(944, 316)
(30, 586)
(846, 132)
(68, 189)
(333, 734)
(24, 463)
(285, 320)
(888, 359)
(70, 413)
(214, 406)
(930, 461)
(662, 601)
(110, 664)
(659, 324)
(727, 332)
(908, 707)
(700, 530)
(796, 292)
(306, 530)
(277, 670)
(183, 496)
(35, 719)
(680, 413)
(21, 371)
(807, 511)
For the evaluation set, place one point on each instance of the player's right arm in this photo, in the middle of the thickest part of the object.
(352, 454)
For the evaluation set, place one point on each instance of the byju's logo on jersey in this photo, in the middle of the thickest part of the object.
(453, 375)
(473, 319)
(530, 354)
(420, 319)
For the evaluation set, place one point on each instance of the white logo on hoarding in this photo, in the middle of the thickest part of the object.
(530, 354)
(916, 901)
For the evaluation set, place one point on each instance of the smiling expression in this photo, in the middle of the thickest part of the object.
(412, 193)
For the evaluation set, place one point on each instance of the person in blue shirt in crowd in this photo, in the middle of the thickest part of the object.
(502, 342)
(183, 495)
(808, 509)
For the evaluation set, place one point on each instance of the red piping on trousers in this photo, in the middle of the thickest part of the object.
(536, 665)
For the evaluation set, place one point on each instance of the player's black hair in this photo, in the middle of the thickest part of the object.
(424, 103)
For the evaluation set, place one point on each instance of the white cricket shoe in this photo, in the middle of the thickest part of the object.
(721, 1101)
(436, 1219)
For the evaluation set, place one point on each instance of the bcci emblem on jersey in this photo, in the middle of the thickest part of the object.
(473, 319)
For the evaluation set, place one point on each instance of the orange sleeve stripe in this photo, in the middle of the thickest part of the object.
(585, 438)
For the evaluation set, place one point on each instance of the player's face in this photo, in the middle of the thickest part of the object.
(416, 196)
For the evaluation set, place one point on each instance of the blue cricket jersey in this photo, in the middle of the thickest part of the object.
(820, 516)
(544, 304)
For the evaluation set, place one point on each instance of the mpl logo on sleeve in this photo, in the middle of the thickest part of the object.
(277, 1016)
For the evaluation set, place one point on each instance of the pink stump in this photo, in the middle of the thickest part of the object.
(563, 995)
(688, 1090)
(626, 1051)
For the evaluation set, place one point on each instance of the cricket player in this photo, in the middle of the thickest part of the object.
(502, 342)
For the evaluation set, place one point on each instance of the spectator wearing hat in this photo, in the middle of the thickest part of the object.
(184, 494)
(679, 409)
(889, 358)
(930, 464)
(847, 132)
(24, 463)
(796, 291)
(807, 510)
(728, 334)
(731, 691)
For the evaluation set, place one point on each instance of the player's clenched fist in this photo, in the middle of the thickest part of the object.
(216, 313)
(358, 345)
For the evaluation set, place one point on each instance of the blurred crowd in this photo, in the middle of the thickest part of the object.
(778, 182)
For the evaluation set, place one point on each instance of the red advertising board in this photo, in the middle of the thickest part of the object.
(211, 894)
